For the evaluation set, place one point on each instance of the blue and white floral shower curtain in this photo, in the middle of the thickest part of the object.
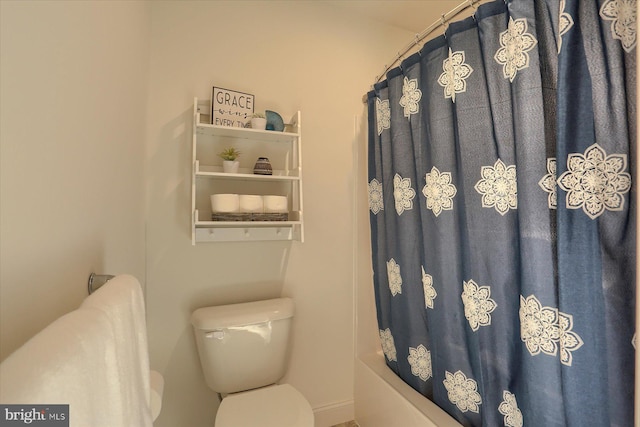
(503, 213)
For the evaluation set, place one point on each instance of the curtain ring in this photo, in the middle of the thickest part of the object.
(472, 3)
(445, 24)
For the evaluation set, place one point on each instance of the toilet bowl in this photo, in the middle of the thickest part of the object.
(273, 406)
(243, 353)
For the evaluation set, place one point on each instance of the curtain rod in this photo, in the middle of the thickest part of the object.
(442, 22)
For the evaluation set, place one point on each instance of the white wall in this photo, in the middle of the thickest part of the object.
(73, 79)
(95, 119)
(290, 55)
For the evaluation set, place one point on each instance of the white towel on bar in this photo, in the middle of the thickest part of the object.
(95, 359)
(122, 301)
(72, 361)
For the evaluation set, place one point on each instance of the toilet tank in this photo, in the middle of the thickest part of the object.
(243, 346)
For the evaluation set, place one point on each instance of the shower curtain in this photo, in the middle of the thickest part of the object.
(503, 210)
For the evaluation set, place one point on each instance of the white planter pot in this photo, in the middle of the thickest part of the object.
(230, 166)
(258, 123)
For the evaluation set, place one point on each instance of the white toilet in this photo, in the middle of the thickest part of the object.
(243, 352)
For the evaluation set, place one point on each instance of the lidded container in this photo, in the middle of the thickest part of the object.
(243, 346)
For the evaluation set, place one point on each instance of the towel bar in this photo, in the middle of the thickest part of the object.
(97, 280)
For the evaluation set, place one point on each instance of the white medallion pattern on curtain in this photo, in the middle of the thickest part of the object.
(462, 391)
(515, 42)
(509, 408)
(565, 22)
(410, 97)
(430, 293)
(376, 201)
(395, 279)
(569, 340)
(388, 346)
(498, 187)
(544, 329)
(403, 193)
(439, 191)
(623, 13)
(420, 361)
(383, 115)
(579, 184)
(455, 74)
(478, 305)
(548, 183)
(595, 182)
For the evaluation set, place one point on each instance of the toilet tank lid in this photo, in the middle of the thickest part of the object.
(248, 313)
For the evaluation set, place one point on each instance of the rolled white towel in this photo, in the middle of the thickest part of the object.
(225, 203)
(275, 204)
(251, 203)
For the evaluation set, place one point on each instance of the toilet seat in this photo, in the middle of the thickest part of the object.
(274, 406)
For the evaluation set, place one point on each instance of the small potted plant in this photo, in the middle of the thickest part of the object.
(230, 163)
(258, 121)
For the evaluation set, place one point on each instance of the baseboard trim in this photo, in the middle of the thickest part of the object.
(334, 413)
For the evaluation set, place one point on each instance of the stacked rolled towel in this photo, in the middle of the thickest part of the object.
(248, 203)
(251, 203)
(225, 203)
(275, 204)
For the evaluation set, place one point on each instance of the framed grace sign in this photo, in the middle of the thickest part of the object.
(231, 108)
